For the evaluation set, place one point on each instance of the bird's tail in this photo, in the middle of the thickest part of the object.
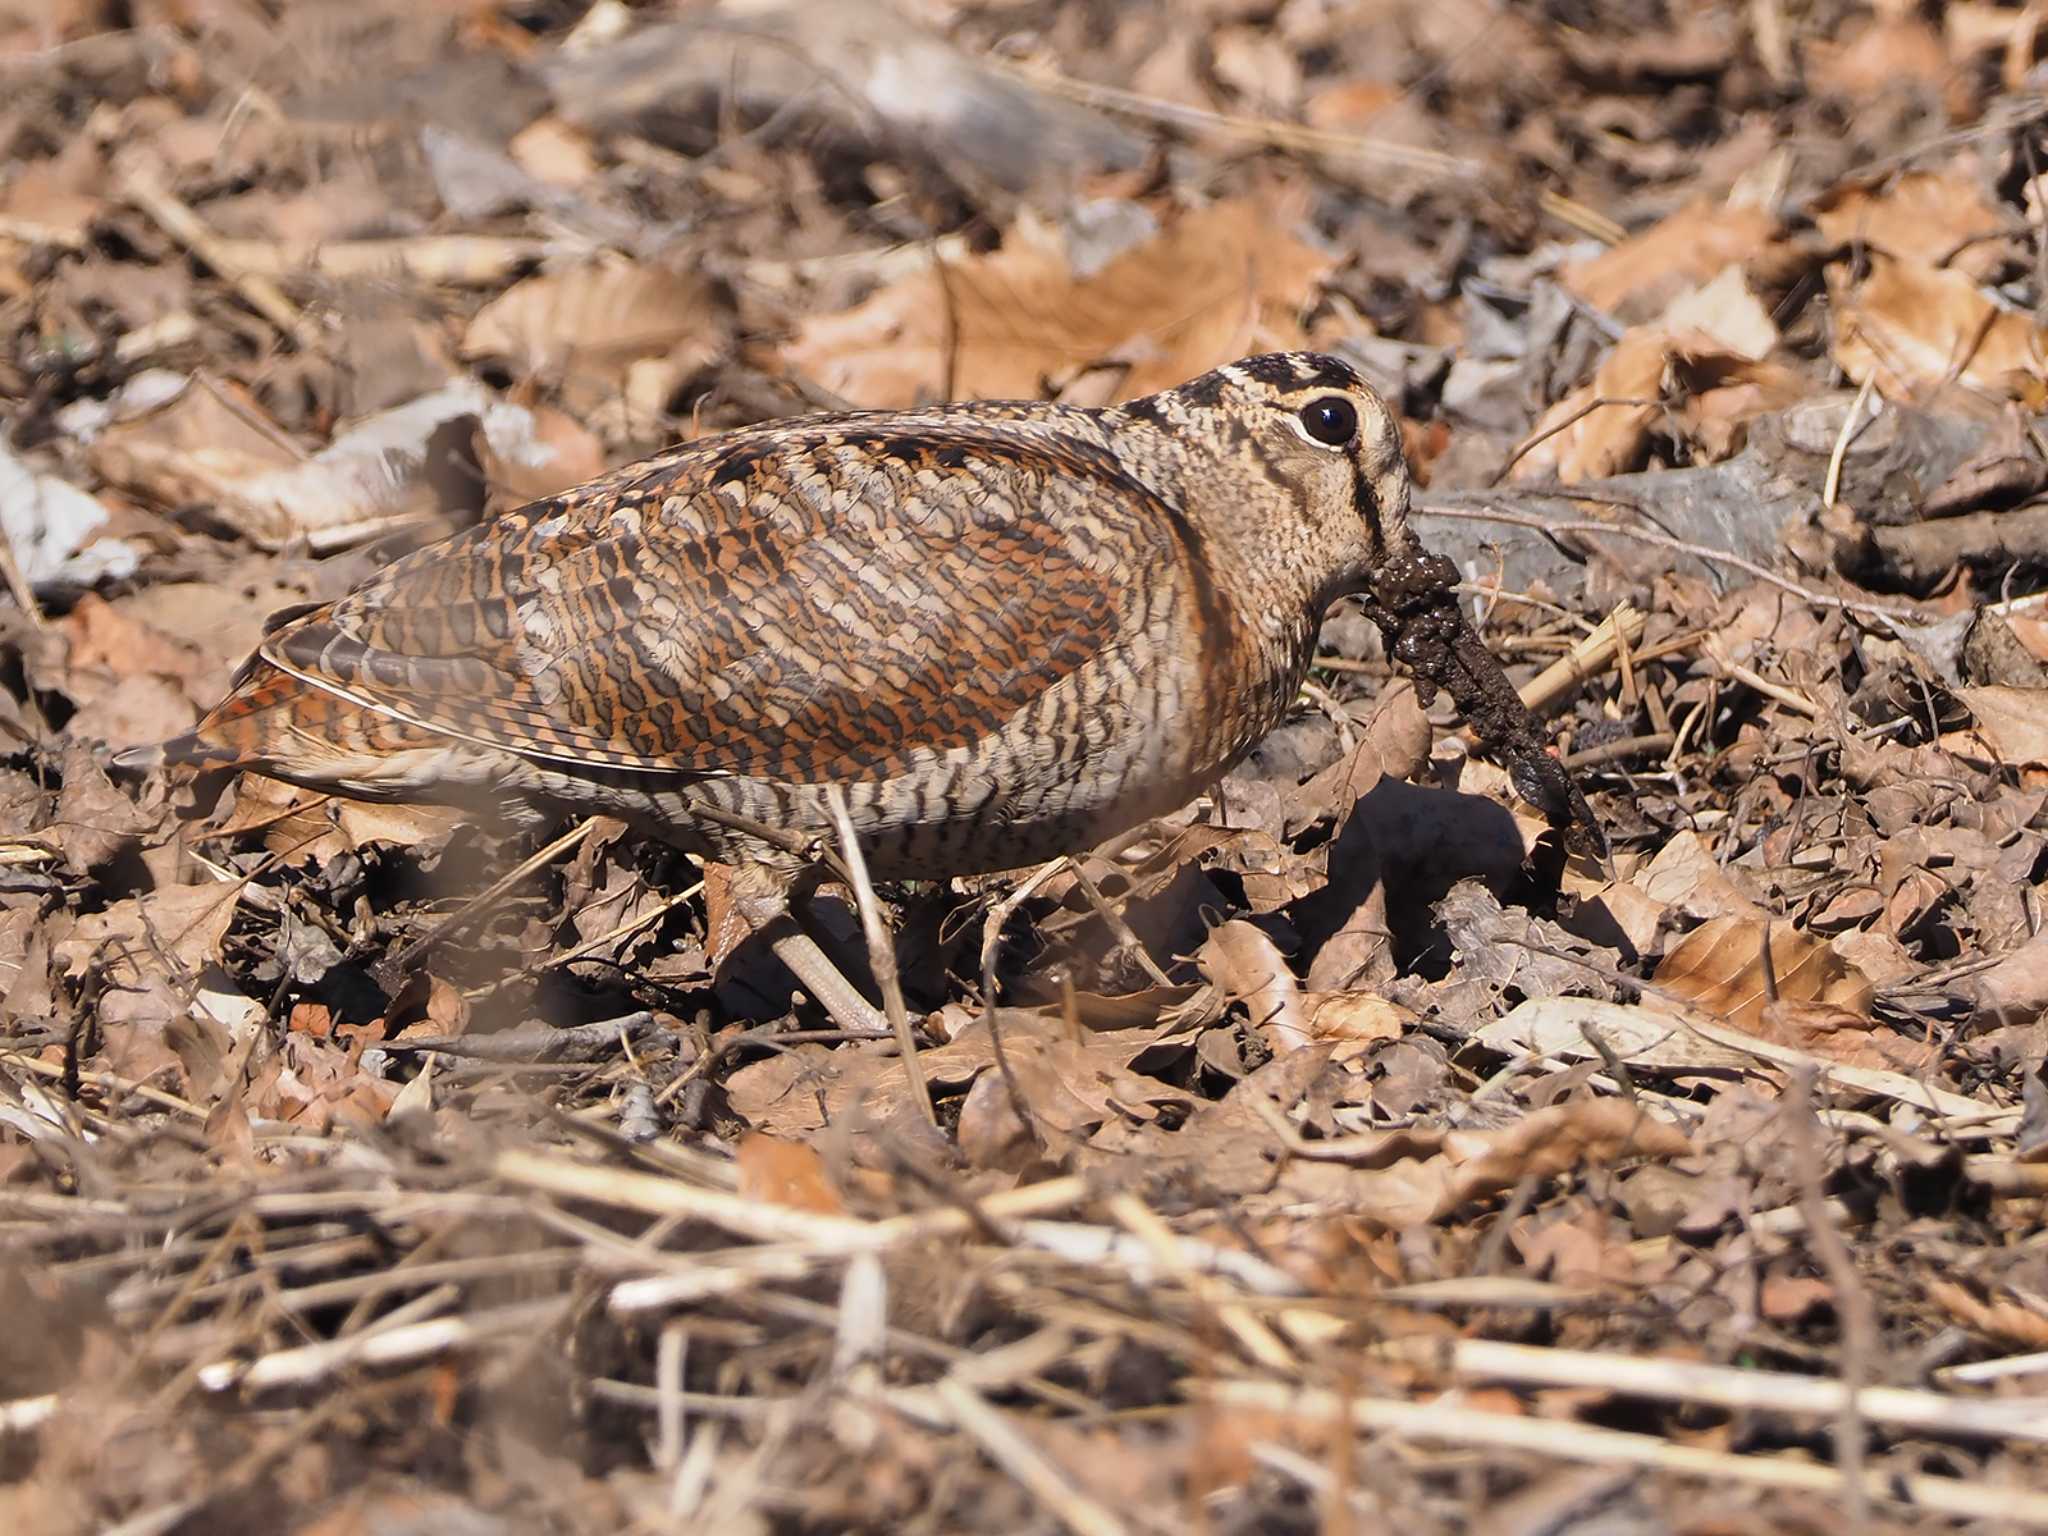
(237, 732)
(277, 724)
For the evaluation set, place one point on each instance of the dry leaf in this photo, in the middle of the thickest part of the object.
(2015, 990)
(1687, 878)
(1404, 1187)
(1353, 1017)
(786, 1173)
(1891, 53)
(2010, 1321)
(586, 326)
(209, 446)
(1642, 274)
(2011, 728)
(1915, 328)
(1655, 383)
(1837, 1034)
(1918, 216)
(1727, 313)
(54, 530)
(550, 150)
(1719, 968)
(1242, 961)
(1642, 1035)
(1215, 284)
(1071, 1087)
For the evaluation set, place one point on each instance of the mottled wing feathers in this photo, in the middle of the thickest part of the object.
(802, 606)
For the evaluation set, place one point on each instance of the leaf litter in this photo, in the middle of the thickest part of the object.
(347, 1185)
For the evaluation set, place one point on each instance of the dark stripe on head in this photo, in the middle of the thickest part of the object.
(1301, 370)
(1327, 372)
(1205, 391)
(1277, 369)
(1368, 508)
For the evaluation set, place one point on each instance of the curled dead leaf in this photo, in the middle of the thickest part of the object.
(1719, 967)
(1242, 961)
(1214, 284)
(1915, 328)
(1643, 273)
(1680, 384)
(1418, 1179)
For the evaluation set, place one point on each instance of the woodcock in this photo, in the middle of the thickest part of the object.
(1005, 631)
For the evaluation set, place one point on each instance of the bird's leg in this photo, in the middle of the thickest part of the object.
(763, 896)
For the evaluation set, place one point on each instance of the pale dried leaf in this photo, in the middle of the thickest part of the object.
(1727, 313)
(1642, 1035)
(1243, 961)
(2011, 725)
(585, 326)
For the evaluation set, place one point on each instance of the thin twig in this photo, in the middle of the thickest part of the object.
(1448, 1422)
(191, 231)
(1852, 1300)
(1619, 751)
(1597, 403)
(1831, 488)
(1017, 1454)
(881, 950)
(1738, 1390)
(1252, 130)
(774, 1036)
(991, 936)
(1589, 658)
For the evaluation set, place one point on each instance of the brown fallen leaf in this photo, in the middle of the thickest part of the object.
(151, 951)
(1394, 743)
(1837, 1034)
(304, 825)
(93, 822)
(1018, 322)
(1638, 277)
(1353, 1020)
(2010, 1321)
(1415, 1177)
(1915, 328)
(1071, 1087)
(1788, 1298)
(1920, 216)
(1243, 962)
(586, 326)
(1682, 385)
(786, 1173)
(1719, 967)
(210, 446)
(2011, 727)
(2015, 989)
(1888, 51)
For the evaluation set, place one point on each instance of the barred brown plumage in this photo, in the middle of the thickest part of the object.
(1004, 630)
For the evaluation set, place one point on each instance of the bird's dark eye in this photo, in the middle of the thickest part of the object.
(1332, 420)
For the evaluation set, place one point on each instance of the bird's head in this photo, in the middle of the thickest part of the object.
(1291, 454)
